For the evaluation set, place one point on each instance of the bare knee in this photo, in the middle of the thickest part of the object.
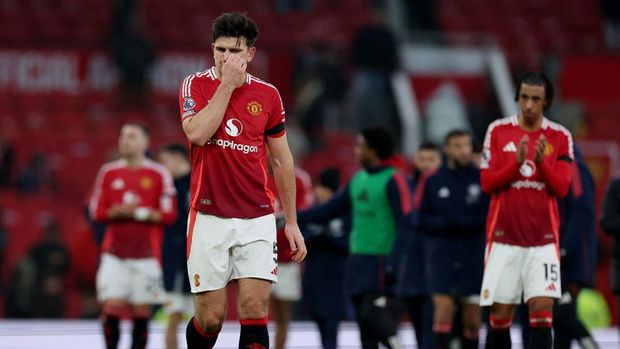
(253, 307)
(540, 304)
(444, 309)
(209, 315)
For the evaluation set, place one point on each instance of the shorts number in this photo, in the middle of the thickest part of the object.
(551, 272)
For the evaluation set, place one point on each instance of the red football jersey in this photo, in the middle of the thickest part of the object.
(523, 209)
(229, 176)
(303, 199)
(150, 186)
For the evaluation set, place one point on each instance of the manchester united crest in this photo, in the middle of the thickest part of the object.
(146, 182)
(254, 108)
(548, 149)
(196, 280)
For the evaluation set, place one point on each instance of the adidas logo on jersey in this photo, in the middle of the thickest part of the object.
(551, 287)
(510, 148)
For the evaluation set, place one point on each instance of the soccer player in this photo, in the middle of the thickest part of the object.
(288, 288)
(135, 197)
(412, 288)
(378, 197)
(526, 166)
(230, 118)
(452, 212)
(175, 158)
(610, 222)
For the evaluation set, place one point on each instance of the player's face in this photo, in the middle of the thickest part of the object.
(426, 160)
(132, 141)
(226, 46)
(363, 153)
(459, 150)
(532, 102)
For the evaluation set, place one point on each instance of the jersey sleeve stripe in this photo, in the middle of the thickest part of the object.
(405, 194)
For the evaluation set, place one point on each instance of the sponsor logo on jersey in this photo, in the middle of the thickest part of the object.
(146, 182)
(196, 280)
(255, 108)
(510, 148)
(528, 185)
(233, 127)
(244, 148)
(188, 104)
(528, 168)
(118, 184)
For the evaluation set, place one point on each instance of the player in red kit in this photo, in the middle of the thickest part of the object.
(231, 119)
(134, 196)
(526, 166)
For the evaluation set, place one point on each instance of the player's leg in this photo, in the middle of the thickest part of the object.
(501, 289)
(147, 288)
(253, 310)
(381, 316)
(283, 294)
(442, 320)
(541, 322)
(282, 315)
(541, 286)
(367, 336)
(328, 328)
(140, 315)
(209, 268)
(472, 318)
(500, 319)
(174, 319)
(421, 312)
(210, 310)
(113, 291)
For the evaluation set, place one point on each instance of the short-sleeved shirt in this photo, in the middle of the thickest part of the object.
(525, 212)
(229, 172)
(150, 186)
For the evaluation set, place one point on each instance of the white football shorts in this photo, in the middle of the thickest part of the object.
(288, 287)
(137, 281)
(224, 249)
(513, 273)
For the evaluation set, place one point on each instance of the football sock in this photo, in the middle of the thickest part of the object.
(441, 335)
(139, 334)
(540, 330)
(254, 334)
(197, 338)
(470, 340)
(111, 331)
(498, 336)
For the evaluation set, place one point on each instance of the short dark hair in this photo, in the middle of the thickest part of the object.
(141, 126)
(537, 79)
(235, 25)
(455, 133)
(175, 148)
(428, 145)
(380, 140)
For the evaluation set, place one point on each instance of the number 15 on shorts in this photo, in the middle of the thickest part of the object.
(551, 271)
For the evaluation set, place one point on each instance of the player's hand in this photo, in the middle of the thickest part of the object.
(522, 149)
(541, 144)
(234, 71)
(296, 240)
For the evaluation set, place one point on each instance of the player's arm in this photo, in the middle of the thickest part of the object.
(201, 127)
(556, 176)
(400, 199)
(610, 218)
(339, 205)
(284, 175)
(493, 175)
(100, 207)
